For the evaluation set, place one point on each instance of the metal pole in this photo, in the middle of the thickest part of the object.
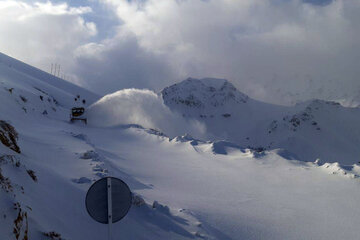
(59, 71)
(51, 68)
(109, 200)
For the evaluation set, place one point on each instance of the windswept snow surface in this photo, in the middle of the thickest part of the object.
(202, 190)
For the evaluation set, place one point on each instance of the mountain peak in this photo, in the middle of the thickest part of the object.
(203, 93)
(215, 83)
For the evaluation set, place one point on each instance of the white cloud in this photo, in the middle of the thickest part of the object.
(42, 33)
(119, 63)
(251, 42)
(271, 49)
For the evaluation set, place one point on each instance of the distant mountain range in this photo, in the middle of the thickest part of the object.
(309, 130)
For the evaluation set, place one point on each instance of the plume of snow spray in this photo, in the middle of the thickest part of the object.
(143, 107)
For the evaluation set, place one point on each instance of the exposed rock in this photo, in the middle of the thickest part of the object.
(81, 180)
(10, 90)
(137, 200)
(9, 136)
(53, 235)
(188, 138)
(162, 208)
(5, 183)
(32, 175)
(90, 155)
(21, 225)
(23, 99)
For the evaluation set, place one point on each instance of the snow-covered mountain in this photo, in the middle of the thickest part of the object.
(310, 130)
(29, 78)
(183, 188)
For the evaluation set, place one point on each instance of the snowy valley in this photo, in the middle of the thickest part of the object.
(203, 160)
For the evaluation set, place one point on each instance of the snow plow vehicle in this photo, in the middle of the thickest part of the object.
(77, 114)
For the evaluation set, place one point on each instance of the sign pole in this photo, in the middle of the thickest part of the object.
(109, 200)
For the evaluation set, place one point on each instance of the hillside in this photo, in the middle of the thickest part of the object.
(310, 130)
(183, 188)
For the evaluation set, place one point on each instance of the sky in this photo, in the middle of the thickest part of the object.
(277, 51)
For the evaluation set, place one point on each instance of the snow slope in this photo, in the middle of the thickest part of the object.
(310, 130)
(22, 76)
(191, 189)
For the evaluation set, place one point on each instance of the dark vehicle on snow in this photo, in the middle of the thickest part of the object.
(77, 114)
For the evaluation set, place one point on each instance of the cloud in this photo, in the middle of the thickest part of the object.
(121, 63)
(288, 46)
(273, 50)
(143, 107)
(43, 33)
(318, 2)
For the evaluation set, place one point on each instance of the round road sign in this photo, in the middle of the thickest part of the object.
(108, 200)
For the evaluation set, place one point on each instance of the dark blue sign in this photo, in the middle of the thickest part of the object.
(108, 200)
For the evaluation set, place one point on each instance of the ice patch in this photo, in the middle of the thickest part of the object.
(94, 156)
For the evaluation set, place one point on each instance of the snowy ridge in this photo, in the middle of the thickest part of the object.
(310, 130)
(204, 94)
(29, 75)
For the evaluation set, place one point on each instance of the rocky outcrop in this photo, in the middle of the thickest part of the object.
(9, 136)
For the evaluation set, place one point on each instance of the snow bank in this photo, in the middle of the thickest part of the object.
(143, 107)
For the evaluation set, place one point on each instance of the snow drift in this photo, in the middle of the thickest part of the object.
(143, 107)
